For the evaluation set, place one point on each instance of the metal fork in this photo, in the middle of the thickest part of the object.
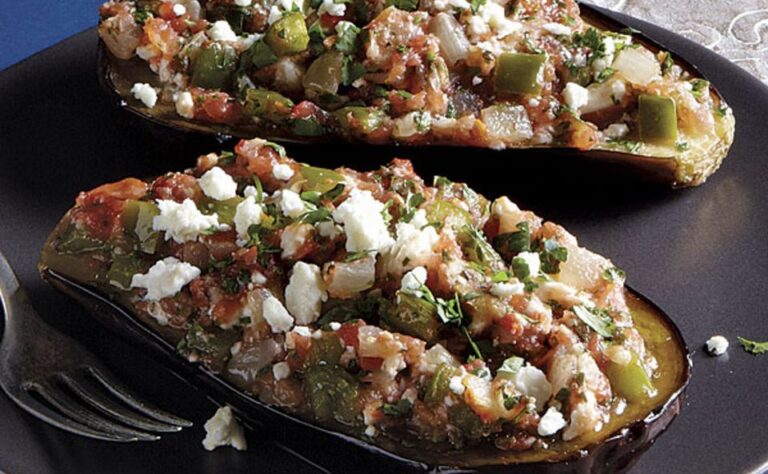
(57, 380)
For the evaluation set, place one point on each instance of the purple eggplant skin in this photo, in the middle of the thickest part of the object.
(681, 169)
(616, 453)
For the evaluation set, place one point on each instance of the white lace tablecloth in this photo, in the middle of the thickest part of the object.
(736, 29)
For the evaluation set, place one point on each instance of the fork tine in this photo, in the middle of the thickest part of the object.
(93, 396)
(118, 390)
(42, 412)
(62, 402)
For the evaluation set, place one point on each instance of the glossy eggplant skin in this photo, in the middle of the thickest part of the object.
(616, 453)
(683, 168)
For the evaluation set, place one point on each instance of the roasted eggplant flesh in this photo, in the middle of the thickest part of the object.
(427, 321)
(543, 74)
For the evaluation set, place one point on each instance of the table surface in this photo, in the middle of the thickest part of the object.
(736, 30)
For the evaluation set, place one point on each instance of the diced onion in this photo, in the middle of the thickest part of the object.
(507, 123)
(346, 279)
(637, 65)
(454, 45)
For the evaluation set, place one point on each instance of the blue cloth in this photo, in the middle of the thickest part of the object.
(29, 26)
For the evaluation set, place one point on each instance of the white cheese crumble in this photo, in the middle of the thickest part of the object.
(165, 278)
(457, 385)
(531, 381)
(332, 8)
(329, 229)
(276, 315)
(185, 105)
(529, 259)
(145, 93)
(477, 80)
(243, 3)
(221, 31)
(292, 238)
(334, 325)
(507, 289)
(291, 203)
(282, 172)
(364, 225)
(247, 214)
(495, 16)
(305, 293)
(557, 29)
(274, 14)
(551, 422)
(179, 9)
(217, 184)
(575, 96)
(717, 345)
(224, 430)
(413, 280)
(616, 130)
(281, 371)
(182, 222)
(414, 244)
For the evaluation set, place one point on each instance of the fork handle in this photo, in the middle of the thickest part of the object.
(17, 309)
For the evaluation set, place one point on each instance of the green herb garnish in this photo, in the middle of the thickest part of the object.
(597, 319)
(753, 347)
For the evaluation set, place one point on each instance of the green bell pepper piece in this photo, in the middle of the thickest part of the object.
(321, 180)
(332, 393)
(288, 35)
(630, 381)
(657, 117)
(214, 67)
(324, 74)
(267, 104)
(122, 270)
(138, 217)
(363, 120)
(224, 209)
(438, 386)
(327, 350)
(446, 213)
(518, 73)
(413, 316)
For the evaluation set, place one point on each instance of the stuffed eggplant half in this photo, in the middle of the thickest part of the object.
(427, 321)
(487, 73)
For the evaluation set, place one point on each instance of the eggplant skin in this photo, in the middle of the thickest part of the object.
(669, 164)
(617, 453)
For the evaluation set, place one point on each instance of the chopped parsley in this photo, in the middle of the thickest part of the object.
(753, 347)
(614, 274)
(401, 408)
(552, 255)
(597, 319)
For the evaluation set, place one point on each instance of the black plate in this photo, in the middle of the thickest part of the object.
(700, 254)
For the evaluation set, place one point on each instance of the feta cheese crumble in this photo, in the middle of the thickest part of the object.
(182, 222)
(717, 345)
(165, 278)
(276, 315)
(332, 8)
(457, 385)
(291, 203)
(551, 422)
(305, 293)
(575, 96)
(364, 225)
(185, 105)
(507, 289)
(282, 172)
(413, 246)
(243, 3)
(179, 9)
(531, 260)
(531, 381)
(292, 238)
(412, 281)
(224, 430)
(217, 184)
(247, 214)
(145, 93)
(221, 31)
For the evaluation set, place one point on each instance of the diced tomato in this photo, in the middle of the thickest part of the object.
(215, 107)
(180, 24)
(99, 209)
(349, 332)
(305, 109)
(221, 244)
(176, 186)
(371, 363)
(328, 22)
(227, 310)
(201, 25)
(165, 11)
